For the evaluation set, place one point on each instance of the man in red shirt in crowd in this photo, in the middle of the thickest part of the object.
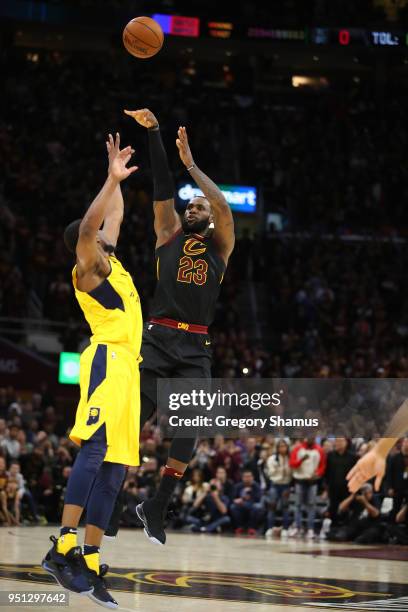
(308, 462)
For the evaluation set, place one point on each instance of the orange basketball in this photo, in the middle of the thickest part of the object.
(143, 37)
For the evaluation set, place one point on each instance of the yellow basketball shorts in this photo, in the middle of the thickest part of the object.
(110, 394)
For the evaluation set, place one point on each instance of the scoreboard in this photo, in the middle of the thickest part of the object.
(358, 36)
(194, 27)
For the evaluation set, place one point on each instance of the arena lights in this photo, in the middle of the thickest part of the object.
(69, 368)
(220, 29)
(241, 199)
(178, 26)
(310, 81)
(299, 35)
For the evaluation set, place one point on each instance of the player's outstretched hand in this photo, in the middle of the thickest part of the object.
(118, 159)
(371, 464)
(144, 117)
(113, 147)
(184, 148)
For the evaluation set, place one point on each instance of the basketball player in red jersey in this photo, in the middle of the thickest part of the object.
(191, 257)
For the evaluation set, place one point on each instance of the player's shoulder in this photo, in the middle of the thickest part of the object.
(176, 237)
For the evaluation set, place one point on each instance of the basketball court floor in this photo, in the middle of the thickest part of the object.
(221, 573)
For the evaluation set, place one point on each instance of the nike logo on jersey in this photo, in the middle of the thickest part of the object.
(207, 342)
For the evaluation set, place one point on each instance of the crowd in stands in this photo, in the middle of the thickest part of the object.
(246, 486)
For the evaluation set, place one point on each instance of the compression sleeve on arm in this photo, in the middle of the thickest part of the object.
(163, 187)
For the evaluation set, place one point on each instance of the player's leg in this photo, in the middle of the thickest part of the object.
(122, 393)
(152, 512)
(99, 510)
(148, 381)
(64, 560)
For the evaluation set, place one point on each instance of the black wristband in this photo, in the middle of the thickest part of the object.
(163, 188)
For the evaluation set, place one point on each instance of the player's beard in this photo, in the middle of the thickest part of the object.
(199, 227)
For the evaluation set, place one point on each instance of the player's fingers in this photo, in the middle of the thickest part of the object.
(126, 159)
(377, 483)
(133, 169)
(125, 151)
(178, 143)
(117, 142)
(351, 473)
(355, 483)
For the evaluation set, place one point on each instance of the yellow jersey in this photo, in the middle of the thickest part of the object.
(113, 309)
(109, 367)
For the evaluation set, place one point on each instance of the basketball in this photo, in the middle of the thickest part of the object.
(143, 37)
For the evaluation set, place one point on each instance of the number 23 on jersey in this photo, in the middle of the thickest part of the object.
(192, 271)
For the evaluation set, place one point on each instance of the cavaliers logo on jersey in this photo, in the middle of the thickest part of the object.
(93, 416)
(192, 246)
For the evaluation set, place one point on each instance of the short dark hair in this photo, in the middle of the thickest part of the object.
(71, 235)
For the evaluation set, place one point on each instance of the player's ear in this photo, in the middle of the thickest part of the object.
(211, 224)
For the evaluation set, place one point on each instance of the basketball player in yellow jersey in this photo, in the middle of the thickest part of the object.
(107, 419)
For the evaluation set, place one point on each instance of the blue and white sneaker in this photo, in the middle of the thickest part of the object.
(68, 570)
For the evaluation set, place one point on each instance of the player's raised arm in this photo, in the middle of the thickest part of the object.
(373, 463)
(87, 252)
(166, 219)
(114, 214)
(224, 234)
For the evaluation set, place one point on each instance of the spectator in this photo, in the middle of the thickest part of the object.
(210, 509)
(250, 455)
(24, 495)
(361, 518)
(3, 496)
(339, 463)
(132, 496)
(247, 509)
(203, 458)
(194, 490)
(11, 444)
(308, 462)
(229, 456)
(280, 475)
(226, 484)
(397, 478)
(12, 502)
(261, 475)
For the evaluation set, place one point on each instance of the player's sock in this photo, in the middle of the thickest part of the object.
(167, 485)
(91, 556)
(67, 539)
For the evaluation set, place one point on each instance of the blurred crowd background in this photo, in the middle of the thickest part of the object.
(316, 290)
(251, 486)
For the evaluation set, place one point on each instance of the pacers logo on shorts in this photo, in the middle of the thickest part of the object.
(93, 416)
